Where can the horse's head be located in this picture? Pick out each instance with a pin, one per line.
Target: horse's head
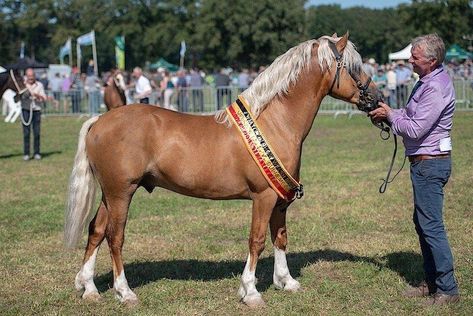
(119, 81)
(15, 83)
(348, 80)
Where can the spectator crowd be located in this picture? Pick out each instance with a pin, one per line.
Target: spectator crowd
(184, 90)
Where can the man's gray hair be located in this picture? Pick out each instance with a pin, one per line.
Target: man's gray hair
(432, 45)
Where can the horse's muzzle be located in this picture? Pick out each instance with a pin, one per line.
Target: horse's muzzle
(369, 100)
(18, 97)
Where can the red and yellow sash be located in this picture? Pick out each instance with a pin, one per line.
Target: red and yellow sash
(269, 164)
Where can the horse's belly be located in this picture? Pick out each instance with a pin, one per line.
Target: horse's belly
(202, 185)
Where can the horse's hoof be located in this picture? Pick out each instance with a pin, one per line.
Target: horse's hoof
(254, 301)
(92, 296)
(292, 286)
(131, 302)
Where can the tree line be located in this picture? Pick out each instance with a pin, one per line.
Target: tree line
(239, 33)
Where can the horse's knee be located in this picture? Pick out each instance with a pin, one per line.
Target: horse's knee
(281, 238)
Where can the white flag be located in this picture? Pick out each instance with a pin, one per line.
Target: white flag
(182, 52)
(65, 50)
(86, 39)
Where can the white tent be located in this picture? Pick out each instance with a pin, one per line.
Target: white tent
(405, 53)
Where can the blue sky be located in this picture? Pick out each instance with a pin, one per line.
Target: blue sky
(373, 4)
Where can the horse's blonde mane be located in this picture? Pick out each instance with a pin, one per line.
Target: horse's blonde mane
(285, 70)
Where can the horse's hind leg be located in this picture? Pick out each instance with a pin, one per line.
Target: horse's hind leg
(115, 234)
(282, 278)
(263, 205)
(85, 278)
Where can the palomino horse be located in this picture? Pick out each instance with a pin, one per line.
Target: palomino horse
(12, 80)
(114, 92)
(205, 157)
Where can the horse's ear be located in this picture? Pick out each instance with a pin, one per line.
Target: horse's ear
(342, 43)
(334, 35)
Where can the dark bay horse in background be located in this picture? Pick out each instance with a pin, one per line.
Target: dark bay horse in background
(205, 157)
(114, 92)
(12, 80)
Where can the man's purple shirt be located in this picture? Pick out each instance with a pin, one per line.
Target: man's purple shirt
(428, 115)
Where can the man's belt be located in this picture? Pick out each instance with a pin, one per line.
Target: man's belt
(269, 164)
(415, 158)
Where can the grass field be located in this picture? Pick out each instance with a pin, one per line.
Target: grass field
(352, 249)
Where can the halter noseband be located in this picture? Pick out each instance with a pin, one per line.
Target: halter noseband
(365, 98)
(19, 91)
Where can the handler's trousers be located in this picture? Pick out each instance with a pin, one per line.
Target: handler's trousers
(428, 179)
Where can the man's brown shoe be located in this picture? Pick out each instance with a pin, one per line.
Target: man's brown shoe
(442, 299)
(420, 291)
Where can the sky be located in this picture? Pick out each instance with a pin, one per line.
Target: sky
(373, 4)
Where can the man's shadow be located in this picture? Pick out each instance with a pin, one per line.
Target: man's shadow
(407, 264)
(19, 154)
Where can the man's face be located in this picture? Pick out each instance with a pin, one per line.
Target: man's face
(421, 64)
(30, 77)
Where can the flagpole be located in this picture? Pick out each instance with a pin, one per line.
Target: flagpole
(70, 52)
(94, 52)
(78, 54)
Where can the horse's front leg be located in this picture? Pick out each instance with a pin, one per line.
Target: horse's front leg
(282, 278)
(263, 204)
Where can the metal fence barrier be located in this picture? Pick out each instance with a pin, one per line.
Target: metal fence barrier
(208, 100)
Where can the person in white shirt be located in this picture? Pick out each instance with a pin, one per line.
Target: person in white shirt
(391, 86)
(31, 114)
(142, 86)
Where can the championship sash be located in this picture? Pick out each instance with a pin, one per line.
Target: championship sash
(269, 164)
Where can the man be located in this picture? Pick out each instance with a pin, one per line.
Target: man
(425, 126)
(403, 76)
(31, 114)
(222, 83)
(142, 86)
(369, 67)
(197, 85)
(55, 86)
(243, 80)
(93, 93)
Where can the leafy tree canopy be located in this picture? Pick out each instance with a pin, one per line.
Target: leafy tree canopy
(240, 33)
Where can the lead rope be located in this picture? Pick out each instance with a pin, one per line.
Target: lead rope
(20, 92)
(386, 181)
(30, 118)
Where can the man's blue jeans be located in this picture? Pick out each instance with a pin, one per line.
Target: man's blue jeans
(428, 179)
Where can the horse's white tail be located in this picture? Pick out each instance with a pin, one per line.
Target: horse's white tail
(82, 188)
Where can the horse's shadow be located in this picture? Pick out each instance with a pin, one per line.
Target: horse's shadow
(18, 154)
(407, 264)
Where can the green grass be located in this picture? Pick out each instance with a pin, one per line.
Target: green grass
(352, 249)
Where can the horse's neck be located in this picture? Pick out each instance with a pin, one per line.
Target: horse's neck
(3, 84)
(291, 116)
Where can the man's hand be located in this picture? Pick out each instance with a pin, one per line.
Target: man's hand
(381, 113)
(38, 97)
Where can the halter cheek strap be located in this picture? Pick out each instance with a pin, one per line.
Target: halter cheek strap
(364, 96)
(19, 91)
(338, 59)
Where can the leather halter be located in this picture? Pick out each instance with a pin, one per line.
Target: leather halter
(19, 91)
(365, 98)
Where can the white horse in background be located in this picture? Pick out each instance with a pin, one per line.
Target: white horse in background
(13, 108)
